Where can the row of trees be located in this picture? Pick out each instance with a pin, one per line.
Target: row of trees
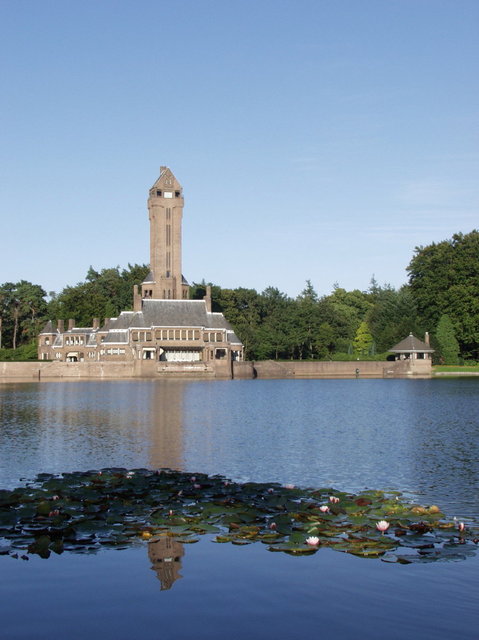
(442, 297)
(342, 324)
(24, 308)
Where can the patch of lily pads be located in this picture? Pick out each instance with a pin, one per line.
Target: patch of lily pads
(83, 512)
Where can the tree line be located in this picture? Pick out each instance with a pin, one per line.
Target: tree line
(441, 296)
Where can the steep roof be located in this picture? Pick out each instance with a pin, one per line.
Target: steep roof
(167, 180)
(116, 337)
(170, 313)
(411, 344)
(232, 338)
(50, 327)
(174, 313)
(149, 278)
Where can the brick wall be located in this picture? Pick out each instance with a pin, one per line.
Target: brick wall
(11, 371)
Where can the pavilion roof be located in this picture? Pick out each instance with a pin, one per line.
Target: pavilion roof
(411, 344)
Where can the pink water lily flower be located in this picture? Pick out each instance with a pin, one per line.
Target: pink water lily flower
(461, 526)
(324, 508)
(382, 526)
(313, 541)
(333, 499)
(289, 486)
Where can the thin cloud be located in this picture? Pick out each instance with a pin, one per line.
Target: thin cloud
(436, 193)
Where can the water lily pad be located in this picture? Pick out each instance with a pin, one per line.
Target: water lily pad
(83, 511)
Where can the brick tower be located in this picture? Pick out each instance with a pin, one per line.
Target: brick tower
(165, 209)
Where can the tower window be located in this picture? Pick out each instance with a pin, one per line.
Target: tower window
(177, 194)
(158, 193)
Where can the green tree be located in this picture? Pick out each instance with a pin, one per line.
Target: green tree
(308, 320)
(103, 294)
(22, 311)
(363, 340)
(325, 340)
(274, 334)
(393, 316)
(343, 311)
(444, 280)
(242, 309)
(446, 341)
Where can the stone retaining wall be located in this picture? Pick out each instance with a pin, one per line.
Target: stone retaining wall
(11, 371)
(295, 369)
(355, 369)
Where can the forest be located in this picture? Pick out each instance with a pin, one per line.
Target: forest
(441, 297)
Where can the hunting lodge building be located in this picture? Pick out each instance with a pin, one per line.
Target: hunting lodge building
(165, 325)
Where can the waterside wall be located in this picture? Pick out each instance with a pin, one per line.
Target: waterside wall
(10, 371)
(295, 369)
(354, 369)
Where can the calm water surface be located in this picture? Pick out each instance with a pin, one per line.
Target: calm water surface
(420, 437)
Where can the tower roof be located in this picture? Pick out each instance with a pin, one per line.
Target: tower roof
(167, 180)
(50, 327)
(149, 278)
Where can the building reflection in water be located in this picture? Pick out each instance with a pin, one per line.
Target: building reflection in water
(92, 425)
(165, 555)
(166, 443)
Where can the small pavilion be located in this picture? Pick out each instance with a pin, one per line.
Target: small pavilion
(411, 348)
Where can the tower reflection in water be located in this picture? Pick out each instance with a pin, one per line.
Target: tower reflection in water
(166, 419)
(165, 556)
(166, 451)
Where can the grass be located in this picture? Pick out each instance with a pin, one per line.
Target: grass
(449, 368)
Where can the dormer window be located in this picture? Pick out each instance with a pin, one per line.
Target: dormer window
(177, 194)
(158, 193)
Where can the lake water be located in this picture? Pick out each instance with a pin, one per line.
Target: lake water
(417, 436)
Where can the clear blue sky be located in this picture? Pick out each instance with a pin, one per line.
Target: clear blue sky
(314, 139)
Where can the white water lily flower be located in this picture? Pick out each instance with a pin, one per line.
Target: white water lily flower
(313, 541)
(382, 526)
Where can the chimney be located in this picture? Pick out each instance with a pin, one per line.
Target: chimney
(136, 298)
(60, 326)
(426, 338)
(71, 324)
(207, 298)
(96, 323)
